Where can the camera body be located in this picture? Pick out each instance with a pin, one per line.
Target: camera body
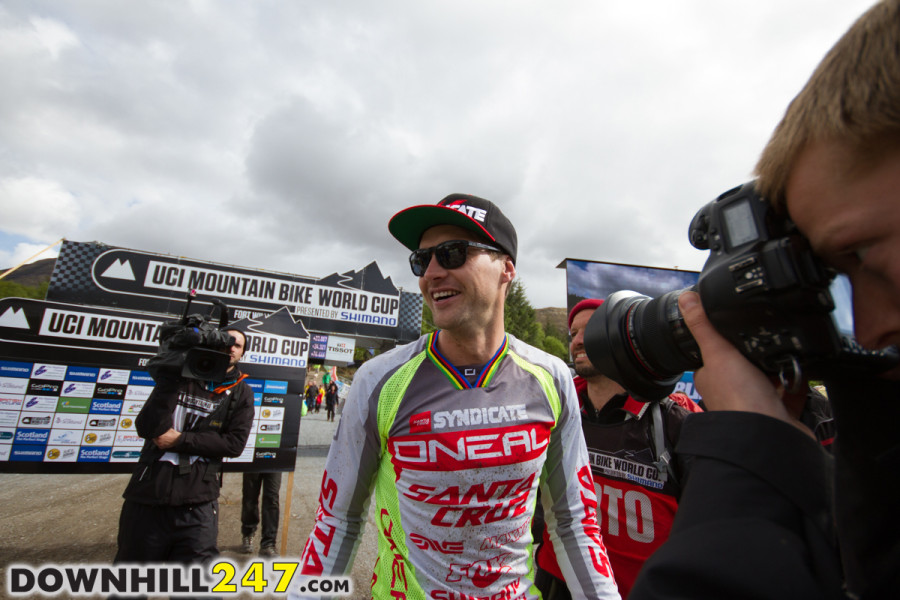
(193, 347)
(762, 288)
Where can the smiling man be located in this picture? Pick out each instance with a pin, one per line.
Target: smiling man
(456, 433)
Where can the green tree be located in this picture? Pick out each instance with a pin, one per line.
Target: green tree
(519, 317)
(555, 346)
(427, 319)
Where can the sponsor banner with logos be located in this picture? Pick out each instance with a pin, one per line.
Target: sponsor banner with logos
(67, 417)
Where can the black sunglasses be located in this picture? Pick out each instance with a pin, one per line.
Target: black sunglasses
(450, 255)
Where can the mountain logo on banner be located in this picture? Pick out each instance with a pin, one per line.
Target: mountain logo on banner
(119, 269)
(14, 317)
(279, 322)
(369, 279)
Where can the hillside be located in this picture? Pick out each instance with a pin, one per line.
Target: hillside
(33, 274)
(553, 320)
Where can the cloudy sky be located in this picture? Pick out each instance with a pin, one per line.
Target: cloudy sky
(282, 135)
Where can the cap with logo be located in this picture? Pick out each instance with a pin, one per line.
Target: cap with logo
(475, 214)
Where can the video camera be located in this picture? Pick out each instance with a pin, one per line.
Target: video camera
(763, 289)
(193, 346)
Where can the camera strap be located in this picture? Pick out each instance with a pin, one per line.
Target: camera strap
(663, 462)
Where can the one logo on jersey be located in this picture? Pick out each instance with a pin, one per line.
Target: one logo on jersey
(420, 423)
(473, 449)
(489, 415)
(482, 573)
(424, 543)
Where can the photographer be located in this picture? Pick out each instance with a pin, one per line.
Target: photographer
(170, 511)
(755, 518)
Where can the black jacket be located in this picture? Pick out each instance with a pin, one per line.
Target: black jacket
(222, 433)
(756, 518)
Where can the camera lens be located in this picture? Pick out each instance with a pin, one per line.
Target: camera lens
(641, 343)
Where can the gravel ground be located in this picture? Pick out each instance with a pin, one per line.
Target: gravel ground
(73, 519)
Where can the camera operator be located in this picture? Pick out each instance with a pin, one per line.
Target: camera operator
(755, 517)
(635, 513)
(170, 511)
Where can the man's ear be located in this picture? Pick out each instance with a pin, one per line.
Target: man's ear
(509, 271)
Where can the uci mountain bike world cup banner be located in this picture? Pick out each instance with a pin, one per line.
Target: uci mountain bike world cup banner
(356, 302)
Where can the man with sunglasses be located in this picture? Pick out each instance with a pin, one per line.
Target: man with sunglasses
(456, 433)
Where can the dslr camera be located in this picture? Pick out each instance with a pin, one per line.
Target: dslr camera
(193, 346)
(763, 290)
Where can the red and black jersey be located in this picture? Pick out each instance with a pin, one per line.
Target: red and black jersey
(636, 503)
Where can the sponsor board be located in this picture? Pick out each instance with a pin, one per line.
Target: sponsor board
(121, 454)
(45, 371)
(13, 385)
(126, 438)
(31, 436)
(98, 438)
(274, 413)
(106, 407)
(77, 389)
(275, 387)
(62, 420)
(94, 454)
(40, 403)
(44, 388)
(110, 390)
(9, 418)
(74, 405)
(61, 454)
(65, 437)
(11, 402)
(132, 407)
(87, 374)
(35, 420)
(268, 440)
(10, 368)
(113, 376)
(98, 421)
(138, 392)
(26, 454)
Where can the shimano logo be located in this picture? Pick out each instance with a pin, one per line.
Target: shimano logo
(467, 417)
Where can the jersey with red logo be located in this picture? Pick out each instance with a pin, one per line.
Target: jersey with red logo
(636, 502)
(455, 461)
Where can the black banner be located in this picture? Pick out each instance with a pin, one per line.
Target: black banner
(361, 303)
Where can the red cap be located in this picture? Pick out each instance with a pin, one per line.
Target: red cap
(588, 304)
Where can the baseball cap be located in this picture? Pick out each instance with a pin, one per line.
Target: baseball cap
(588, 304)
(475, 214)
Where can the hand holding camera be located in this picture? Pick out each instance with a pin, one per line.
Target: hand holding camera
(762, 289)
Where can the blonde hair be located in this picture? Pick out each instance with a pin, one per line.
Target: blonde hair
(853, 96)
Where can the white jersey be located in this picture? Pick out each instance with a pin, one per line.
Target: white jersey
(456, 464)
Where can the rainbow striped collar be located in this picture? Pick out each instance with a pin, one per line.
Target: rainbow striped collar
(453, 374)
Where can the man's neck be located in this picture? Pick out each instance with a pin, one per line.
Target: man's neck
(601, 389)
(475, 349)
